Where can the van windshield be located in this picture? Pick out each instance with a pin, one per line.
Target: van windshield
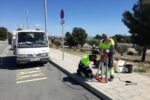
(32, 39)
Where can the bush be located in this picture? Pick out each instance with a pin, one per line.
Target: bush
(130, 53)
(57, 43)
(92, 42)
(121, 49)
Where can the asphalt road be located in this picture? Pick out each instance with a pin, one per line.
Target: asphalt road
(38, 82)
(3, 45)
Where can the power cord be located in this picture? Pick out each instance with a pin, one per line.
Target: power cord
(127, 81)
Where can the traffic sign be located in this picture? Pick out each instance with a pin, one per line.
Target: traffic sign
(62, 14)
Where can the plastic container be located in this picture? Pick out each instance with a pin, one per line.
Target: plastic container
(119, 66)
(128, 68)
(120, 69)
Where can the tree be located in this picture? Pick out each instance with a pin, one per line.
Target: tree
(79, 35)
(37, 29)
(98, 37)
(9, 34)
(3, 33)
(92, 42)
(18, 29)
(121, 38)
(57, 42)
(138, 23)
(70, 41)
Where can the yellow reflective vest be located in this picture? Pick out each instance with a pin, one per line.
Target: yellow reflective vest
(106, 45)
(85, 60)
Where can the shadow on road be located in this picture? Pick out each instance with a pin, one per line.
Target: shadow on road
(10, 64)
(70, 80)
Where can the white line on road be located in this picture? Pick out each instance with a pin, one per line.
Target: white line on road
(37, 79)
(29, 75)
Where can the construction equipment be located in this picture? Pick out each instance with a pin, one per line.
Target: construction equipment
(103, 67)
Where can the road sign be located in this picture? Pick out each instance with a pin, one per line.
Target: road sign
(62, 14)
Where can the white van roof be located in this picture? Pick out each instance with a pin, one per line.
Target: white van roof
(27, 30)
(30, 30)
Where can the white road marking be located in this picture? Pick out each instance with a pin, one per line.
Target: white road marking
(31, 69)
(27, 72)
(29, 75)
(37, 79)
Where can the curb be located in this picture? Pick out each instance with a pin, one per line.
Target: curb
(82, 83)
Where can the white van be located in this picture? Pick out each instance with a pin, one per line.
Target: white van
(30, 46)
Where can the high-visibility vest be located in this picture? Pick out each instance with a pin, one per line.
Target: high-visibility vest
(85, 60)
(106, 45)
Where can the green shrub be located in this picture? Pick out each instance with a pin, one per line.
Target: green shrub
(121, 49)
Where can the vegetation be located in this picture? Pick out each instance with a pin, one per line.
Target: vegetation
(121, 49)
(138, 23)
(77, 37)
(118, 38)
(57, 43)
(70, 41)
(4, 34)
(18, 29)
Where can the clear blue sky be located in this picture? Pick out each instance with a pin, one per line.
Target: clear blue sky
(95, 16)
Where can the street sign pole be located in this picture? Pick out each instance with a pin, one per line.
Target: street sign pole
(62, 23)
(62, 40)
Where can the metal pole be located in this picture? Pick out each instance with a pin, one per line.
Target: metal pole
(45, 11)
(27, 20)
(62, 40)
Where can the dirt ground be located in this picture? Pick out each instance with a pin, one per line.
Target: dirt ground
(139, 67)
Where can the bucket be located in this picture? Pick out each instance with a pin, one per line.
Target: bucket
(128, 68)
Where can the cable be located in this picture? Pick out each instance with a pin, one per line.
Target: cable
(127, 82)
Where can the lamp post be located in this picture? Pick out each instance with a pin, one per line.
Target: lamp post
(45, 13)
(27, 20)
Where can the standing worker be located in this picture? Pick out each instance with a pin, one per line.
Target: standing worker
(107, 44)
(83, 67)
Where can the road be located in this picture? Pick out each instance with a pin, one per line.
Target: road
(3, 45)
(37, 82)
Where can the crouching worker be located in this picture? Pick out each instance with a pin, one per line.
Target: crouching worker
(83, 67)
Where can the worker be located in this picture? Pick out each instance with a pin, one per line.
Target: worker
(83, 67)
(107, 44)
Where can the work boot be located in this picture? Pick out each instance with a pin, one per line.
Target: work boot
(111, 78)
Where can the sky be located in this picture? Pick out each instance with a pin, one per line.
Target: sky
(94, 16)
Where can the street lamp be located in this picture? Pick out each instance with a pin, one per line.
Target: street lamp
(27, 20)
(45, 13)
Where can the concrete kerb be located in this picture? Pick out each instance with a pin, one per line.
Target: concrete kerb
(81, 82)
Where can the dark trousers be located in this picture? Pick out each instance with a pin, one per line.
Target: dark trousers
(85, 70)
(110, 61)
